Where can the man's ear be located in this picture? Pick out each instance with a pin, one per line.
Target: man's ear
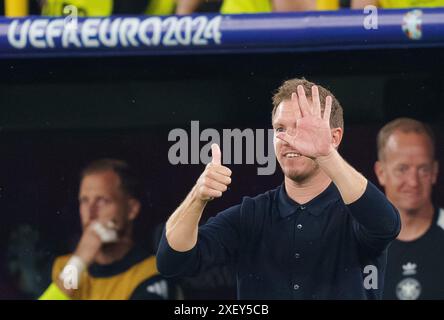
(380, 173)
(134, 208)
(336, 135)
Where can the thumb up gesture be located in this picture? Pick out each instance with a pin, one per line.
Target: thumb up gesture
(215, 178)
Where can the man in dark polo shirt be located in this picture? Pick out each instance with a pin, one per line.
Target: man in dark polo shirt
(322, 234)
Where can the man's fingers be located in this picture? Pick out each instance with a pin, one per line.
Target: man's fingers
(316, 101)
(327, 110)
(213, 184)
(285, 137)
(220, 169)
(223, 170)
(295, 103)
(219, 177)
(303, 102)
(210, 188)
(210, 194)
(215, 179)
(105, 234)
(216, 154)
(288, 139)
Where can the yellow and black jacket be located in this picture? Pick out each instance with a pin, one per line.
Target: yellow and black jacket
(135, 277)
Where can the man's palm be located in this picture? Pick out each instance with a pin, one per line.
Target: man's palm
(312, 138)
(313, 134)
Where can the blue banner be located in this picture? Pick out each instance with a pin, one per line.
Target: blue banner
(200, 34)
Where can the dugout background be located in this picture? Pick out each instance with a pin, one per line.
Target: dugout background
(56, 115)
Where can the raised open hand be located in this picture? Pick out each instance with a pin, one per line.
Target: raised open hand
(313, 137)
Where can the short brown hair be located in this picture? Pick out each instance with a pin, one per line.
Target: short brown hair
(288, 87)
(405, 125)
(129, 183)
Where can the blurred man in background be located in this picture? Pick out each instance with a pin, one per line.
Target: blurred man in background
(106, 263)
(407, 169)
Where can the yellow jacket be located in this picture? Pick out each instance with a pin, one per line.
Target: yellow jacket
(97, 8)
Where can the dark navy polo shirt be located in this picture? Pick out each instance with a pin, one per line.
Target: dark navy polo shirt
(323, 249)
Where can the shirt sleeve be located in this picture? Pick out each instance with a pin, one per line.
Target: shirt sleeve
(217, 244)
(376, 221)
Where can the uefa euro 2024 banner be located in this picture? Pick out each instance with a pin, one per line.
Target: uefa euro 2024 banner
(44, 33)
(145, 35)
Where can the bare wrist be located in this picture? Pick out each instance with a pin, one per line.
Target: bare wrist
(87, 260)
(196, 199)
(85, 257)
(328, 157)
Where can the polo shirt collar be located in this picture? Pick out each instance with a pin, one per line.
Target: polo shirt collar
(315, 206)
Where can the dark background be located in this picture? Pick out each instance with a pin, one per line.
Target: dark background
(56, 115)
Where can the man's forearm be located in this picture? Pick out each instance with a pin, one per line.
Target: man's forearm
(182, 226)
(350, 183)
